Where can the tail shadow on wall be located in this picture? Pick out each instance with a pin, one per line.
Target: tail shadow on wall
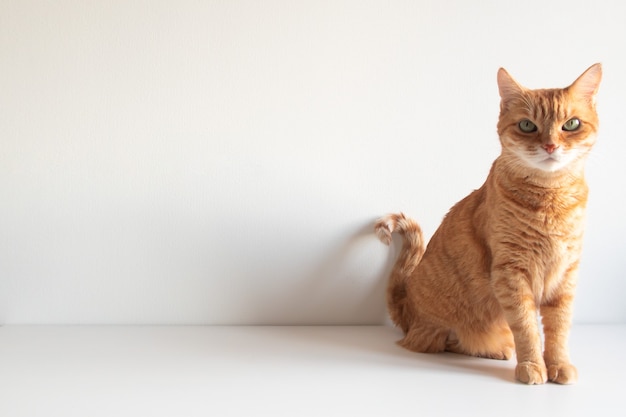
(345, 285)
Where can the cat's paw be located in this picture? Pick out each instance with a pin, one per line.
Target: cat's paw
(505, 354)
(562, 373)
(531, 373)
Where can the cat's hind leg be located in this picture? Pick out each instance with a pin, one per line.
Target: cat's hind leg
(424, 337)
(495, 342)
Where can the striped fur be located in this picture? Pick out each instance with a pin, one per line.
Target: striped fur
(510, 250)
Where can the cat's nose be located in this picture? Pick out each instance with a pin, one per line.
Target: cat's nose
(550, 147)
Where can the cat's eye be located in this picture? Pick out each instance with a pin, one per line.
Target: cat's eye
(571, 124)
(527, 126)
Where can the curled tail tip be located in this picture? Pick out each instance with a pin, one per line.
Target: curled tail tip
(386, 225)
(383, 231)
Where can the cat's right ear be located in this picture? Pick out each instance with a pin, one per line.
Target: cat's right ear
(508, 87)
(586, 86)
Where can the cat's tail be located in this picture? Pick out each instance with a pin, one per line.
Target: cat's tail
(411, 254)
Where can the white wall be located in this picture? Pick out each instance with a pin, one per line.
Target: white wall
(223, 161)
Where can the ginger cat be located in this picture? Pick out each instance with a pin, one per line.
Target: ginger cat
(510, 250)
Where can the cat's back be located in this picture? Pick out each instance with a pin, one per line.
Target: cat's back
(459, 243)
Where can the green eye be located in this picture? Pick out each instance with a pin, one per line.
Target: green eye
(571, 124)
(527, 126)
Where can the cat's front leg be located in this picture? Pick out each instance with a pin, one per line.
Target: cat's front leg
(556, 318)
(518, 304)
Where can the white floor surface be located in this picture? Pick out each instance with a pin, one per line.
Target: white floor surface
(285, 371)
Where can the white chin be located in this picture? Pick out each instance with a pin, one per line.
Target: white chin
(549, 165)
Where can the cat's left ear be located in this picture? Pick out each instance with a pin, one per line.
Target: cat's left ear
(586, 86)
(508, 87)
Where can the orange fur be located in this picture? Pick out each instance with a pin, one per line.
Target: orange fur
(510, 250)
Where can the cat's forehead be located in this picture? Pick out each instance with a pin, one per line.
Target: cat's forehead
(546, 104)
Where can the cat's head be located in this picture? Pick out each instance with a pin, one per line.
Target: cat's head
(548, 130)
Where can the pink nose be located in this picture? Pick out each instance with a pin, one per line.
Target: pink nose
(550, 147)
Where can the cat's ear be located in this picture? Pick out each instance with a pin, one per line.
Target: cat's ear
(508, 87)
(586, 86)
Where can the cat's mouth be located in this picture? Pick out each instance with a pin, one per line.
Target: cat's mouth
(551, 158)
(551, 163)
